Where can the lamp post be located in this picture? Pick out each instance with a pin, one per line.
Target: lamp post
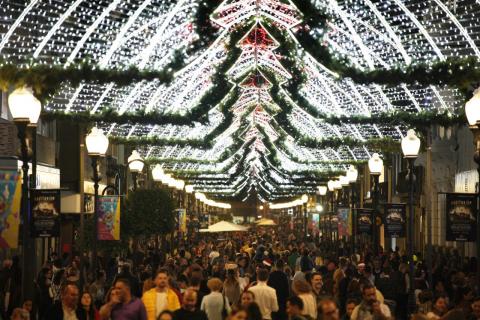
(352, 175)
(305, 218)
(322, 191)
(25, 109)
(97, 145)
(472, 111)
(331, 189)
(410, 148)
(135, 164)
(375, 164)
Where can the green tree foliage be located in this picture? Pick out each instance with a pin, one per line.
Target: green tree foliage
(147, 213)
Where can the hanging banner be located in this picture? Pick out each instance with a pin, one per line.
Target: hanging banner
(108, 218)
(364, 220)
(461, 216)
(10, 199)
(342, 221)
(395, 220)
(182, 220)
(45, 206)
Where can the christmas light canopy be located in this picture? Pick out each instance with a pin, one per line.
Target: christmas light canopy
(243, 102)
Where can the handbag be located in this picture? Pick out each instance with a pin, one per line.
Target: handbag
(224, 309)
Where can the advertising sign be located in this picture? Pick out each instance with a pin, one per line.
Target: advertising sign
(395, 220)
(461, 213)
(45, 213)
(108, 218)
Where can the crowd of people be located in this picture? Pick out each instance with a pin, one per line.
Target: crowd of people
(254, 276)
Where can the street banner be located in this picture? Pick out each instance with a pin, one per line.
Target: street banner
(395, 220)
(10, 199)
(461, 211)
(364, 220)
(182, 220)
(108, 218)
(342, 221)
(45, 206)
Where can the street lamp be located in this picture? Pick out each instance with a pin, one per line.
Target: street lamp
(375, 165)
(410, 148)
(472, 111)
(25, 109)
(135, 164)
(97, 145)
(352, 175)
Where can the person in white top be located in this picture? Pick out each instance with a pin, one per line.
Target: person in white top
(304, 291)
(215, 304)
(265, 296)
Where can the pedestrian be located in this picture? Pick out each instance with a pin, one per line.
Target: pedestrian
(279, 281)
(304, 291)
(370, 306)
(215, 304)
(188, 311)
(66, 308)
(231, 286)
(265, 296)
(294, 309)
(246, 298)
(161, 297)
(328, 310)
(87, 309)
(165, 315)
(123, 305)
(350, 306)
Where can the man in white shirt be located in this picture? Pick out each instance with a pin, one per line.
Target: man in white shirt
(265, 296)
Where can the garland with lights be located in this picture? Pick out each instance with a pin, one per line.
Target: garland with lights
(45, 79)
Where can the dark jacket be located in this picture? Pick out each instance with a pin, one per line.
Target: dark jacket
(55, 312)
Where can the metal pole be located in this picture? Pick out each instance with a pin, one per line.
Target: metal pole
(476, 158)
(305, 221)
(375, 233)
(134, 180)
(352, 200)
(411, 237)
(96, 180)
(27, 252)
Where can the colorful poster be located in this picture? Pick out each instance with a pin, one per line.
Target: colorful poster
(342, 216)
(461, 211)
(364, 220)
(10, 200)
(108, 218)
(182, 220)
(395, 220)
(45, 206)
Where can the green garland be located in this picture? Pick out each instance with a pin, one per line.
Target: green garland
(45, 79)
(158, 141)
(110, 115)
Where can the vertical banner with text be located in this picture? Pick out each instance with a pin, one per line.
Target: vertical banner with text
(342, 216)
(45, 206)
(395, 219)
(108, 218)
(364, 220)
(461, 220)
(182, 220)
(10, 196)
